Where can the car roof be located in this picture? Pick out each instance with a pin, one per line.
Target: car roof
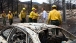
(36, 27)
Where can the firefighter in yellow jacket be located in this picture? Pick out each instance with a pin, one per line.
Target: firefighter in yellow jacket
(55, 17)
(4, 17)
(33, 16)
(22, 15)
(10, 17)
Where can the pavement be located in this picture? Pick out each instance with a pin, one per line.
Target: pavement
(15, 20)
(70, 25)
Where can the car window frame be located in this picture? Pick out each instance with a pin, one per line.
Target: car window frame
(9, 27)
(15, 29)
(27, 36)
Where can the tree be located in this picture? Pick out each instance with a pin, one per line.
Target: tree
(73, 6)
(36, 6)
(1, 1)
(8, 5)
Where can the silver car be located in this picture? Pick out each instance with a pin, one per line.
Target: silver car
(35, 33)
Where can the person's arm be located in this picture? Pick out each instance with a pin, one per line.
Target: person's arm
(31, 15)
(60, 18)
(20, 16)
(12, 15)
(44, 14)
(1, 15)
(49, 16)
(8, 16)
(5, 15)
(37, 15)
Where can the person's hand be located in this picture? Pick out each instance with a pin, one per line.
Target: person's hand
(38, 15)
(48, 21)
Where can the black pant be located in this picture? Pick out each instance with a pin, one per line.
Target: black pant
(10, 21)
(30, 20)
(4, 21)
(23, 20)
(35, 20)
(57, 23)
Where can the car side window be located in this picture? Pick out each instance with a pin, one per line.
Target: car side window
(25, 37)
(5, 33)
(17, 36)
(20, 36)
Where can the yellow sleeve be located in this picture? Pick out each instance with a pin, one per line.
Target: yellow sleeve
(60, 17)
(12, 15)
(8, 16)
(5, 15)
(49, 16)
(31, 15)
(20, 16)
(36, 15)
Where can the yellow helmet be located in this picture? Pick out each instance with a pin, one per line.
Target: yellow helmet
(33, 8)
(53, 5)
(24, 9)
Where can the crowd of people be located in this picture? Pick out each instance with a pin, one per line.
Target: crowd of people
(53, 17)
